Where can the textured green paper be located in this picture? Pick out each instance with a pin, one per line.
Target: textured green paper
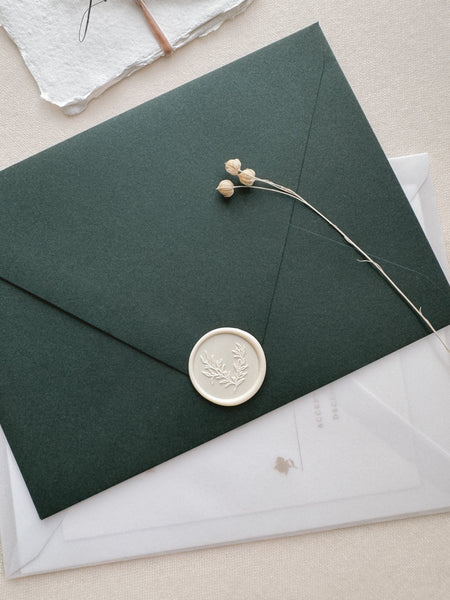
(117, 255)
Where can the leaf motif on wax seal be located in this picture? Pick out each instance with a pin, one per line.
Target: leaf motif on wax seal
(216, 369)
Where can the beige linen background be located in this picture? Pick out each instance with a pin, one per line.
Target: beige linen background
(396, 55)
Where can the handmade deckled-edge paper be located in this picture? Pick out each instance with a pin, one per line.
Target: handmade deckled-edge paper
(118, 42)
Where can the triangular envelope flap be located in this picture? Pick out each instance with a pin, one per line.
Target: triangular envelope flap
(121, 226)
(345, 313)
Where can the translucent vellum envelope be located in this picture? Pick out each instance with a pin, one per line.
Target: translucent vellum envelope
(374, 445)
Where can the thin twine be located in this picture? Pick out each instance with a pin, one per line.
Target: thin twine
(288, 192)
(166, 46)
(162, 40)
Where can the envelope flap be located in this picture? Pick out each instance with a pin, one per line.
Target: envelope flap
(350, 316)
(362, 196)
(121, 226)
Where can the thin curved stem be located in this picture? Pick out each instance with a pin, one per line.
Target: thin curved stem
(288, 192)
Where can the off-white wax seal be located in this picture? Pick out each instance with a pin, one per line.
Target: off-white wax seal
(227, 366)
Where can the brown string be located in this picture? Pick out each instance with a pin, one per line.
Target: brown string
(166, 46)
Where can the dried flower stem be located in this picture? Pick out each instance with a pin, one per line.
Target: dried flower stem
(275, 187)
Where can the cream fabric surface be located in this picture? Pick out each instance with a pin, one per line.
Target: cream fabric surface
(395, 54)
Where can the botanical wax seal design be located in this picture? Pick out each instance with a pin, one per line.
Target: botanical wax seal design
(216, 370)
(227, 366)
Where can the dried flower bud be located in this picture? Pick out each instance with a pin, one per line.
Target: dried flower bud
(247, 177)
(226, 188)
(233, 166)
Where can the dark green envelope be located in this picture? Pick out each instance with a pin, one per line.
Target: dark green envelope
(117, 255)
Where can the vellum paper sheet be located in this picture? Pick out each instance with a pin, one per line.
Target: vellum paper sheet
(118, 42)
